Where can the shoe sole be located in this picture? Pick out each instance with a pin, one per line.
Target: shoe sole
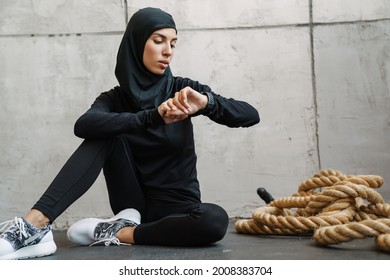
(33, 251)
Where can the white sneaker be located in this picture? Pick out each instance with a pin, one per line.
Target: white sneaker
(91, 231)
(21, 240)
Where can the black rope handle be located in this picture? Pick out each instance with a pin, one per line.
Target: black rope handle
(264, 195)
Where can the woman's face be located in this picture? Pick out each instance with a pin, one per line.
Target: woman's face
(159, 50)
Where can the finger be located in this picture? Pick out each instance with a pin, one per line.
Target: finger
(175, 113)
(177, 100)
(163, 108)
(171, 105)
(184, 97)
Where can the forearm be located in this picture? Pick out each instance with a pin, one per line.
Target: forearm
(230, 112)
(95, 124)
(224, 111)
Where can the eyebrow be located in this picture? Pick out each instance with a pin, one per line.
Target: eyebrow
(163, 36)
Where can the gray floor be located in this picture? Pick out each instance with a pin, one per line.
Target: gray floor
(233, 247)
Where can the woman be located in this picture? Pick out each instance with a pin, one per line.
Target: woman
(140, 133)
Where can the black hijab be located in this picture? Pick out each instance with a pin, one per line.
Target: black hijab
(144, 89)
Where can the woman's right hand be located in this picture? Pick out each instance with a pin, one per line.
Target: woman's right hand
(170, 115)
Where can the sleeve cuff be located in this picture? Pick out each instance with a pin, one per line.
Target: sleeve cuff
(156, 119)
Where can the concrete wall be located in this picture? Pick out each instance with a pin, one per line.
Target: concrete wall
(318, 72)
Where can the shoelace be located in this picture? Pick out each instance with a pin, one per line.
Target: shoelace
(107, 235)
(17, 223)
(108, 241)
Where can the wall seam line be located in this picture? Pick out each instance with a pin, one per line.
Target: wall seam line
(314, 83)
(126, 12)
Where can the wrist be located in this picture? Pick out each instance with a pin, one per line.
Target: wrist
(204, 102)
(209, 101)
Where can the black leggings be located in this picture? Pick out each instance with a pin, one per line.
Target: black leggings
(180, 224)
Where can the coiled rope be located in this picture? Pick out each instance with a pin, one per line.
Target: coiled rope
(331, 206)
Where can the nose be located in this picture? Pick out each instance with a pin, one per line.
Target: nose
(168, 50)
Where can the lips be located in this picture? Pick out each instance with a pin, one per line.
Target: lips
(163, 63)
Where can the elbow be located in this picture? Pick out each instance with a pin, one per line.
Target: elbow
(253, 119)
(78, 128)
(256, 117)
(77, 131)
(252, 116)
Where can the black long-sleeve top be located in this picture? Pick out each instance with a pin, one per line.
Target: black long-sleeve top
(164, 154)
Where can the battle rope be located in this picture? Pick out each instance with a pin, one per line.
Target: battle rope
(331, 206)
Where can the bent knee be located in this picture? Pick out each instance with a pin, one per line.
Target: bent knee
(215, 222)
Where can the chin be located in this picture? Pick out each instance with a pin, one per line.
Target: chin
(159, 72)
